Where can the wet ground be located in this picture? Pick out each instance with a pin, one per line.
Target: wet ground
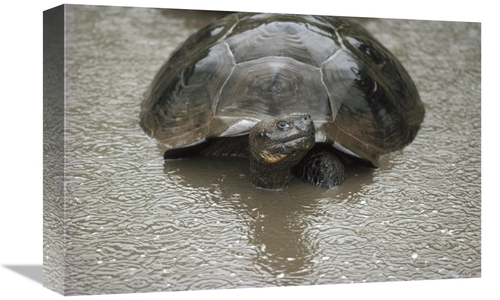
(137, 224)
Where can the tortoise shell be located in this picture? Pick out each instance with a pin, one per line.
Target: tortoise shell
(247, 67)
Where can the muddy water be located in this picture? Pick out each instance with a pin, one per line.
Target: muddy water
(134, 223)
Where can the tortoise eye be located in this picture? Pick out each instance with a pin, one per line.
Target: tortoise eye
(283, 125)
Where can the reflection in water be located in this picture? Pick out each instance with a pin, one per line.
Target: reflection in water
(279, 233)
(281, 230)
(275, 227)
(136, 223)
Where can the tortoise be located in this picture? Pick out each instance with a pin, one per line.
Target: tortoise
(298, 95)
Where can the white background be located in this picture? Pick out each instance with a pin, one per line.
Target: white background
(21, 147)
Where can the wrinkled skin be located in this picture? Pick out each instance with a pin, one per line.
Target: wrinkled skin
(321, 167)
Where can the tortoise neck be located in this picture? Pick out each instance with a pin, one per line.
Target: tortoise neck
(270, 176)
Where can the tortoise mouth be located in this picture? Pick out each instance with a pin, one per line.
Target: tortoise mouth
(293, 146)
(299, 141)
(289, 151)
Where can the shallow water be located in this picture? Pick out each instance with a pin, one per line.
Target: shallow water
(135, 223)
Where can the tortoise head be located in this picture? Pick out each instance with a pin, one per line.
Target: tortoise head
(278, 144)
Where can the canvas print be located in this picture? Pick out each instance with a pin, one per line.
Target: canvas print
(196, 150)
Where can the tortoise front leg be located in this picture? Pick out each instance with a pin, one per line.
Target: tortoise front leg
(321, 167)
